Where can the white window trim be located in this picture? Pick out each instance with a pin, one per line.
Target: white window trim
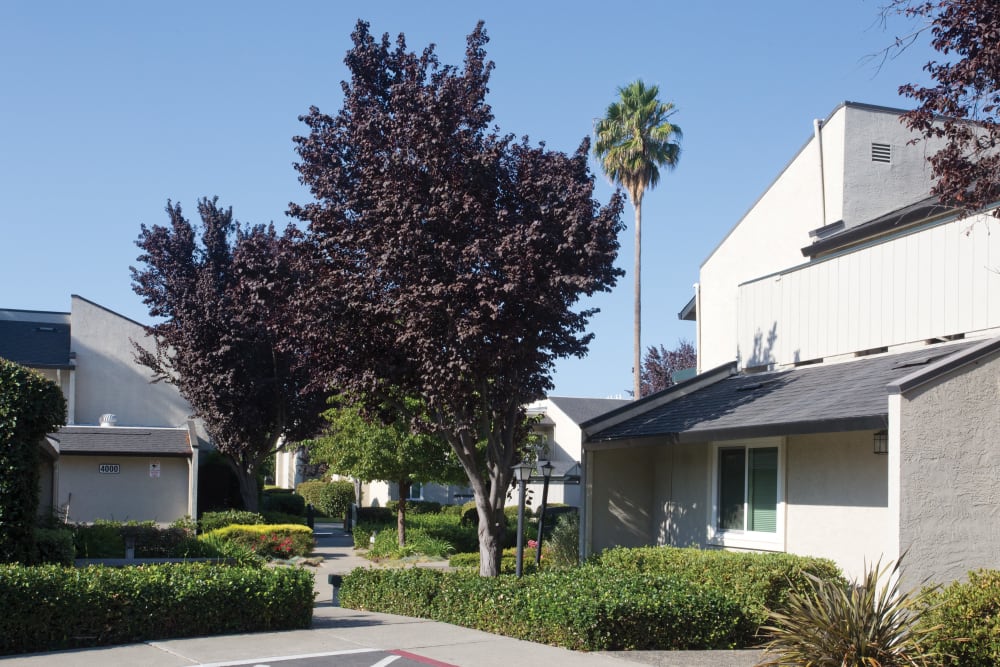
(747, 539)
(421, 496)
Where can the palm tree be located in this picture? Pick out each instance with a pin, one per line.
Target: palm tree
(633, 140)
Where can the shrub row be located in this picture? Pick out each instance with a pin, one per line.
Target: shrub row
(590, 608)
(106, 539)
(270, 541)
(50, 607)
(283, 501)
(758, 581)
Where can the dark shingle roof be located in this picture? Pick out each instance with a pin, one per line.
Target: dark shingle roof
(123, 441)
(584, 409)
(829, 398)
(35, 344)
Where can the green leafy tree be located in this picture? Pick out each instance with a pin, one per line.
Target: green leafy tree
(225, 338)
(364, 447)
(456, 257)
(30, 407)
(633, 140)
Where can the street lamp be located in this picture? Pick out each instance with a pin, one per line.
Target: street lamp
(547, 474)
(522, 471)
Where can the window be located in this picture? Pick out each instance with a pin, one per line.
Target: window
(747, 494)
(416, 491)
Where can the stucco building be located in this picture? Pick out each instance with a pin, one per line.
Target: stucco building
(847, 402)
(130, 449)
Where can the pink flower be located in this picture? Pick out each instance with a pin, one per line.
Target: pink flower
(532, 543)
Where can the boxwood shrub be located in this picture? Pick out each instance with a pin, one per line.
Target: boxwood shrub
(272, 541)
(759, 581)
(964, 621)
(51, 607)
(210, 521)
(590, 608)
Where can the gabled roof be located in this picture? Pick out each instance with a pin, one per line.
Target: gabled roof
(36, 344)
(122, 441)
(585, 409)
(846, 396)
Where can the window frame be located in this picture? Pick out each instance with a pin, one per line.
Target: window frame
(747, 539)
(420, 488)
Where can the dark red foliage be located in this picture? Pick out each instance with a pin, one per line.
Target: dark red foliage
(963, 106)
(459, 254)
(659, 365)
(227, 339)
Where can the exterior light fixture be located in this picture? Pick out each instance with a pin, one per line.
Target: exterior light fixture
(522, 471)
(546, 468)
(881, 442)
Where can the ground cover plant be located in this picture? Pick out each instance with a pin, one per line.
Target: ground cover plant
(267, 540)
(51, 607)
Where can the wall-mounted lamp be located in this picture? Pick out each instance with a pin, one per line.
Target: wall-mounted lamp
(880, 442)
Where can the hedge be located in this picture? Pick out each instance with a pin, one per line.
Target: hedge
(30, 407)
(283, 501)
(273, 541)
(49, 607)
(590, 608)
(210, 521)
(963, 620)
(331, 498)
(758, 581)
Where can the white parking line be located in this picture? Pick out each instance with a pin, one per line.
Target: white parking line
(279, 658)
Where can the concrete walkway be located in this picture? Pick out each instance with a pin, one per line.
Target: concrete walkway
(346, 633)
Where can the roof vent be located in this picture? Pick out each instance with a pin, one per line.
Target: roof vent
(881, 152)
(108, 420)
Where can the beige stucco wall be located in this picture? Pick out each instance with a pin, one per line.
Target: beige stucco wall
(680, 512)
(107, 378)
(836, 499)
(620, 510)
(950, 474)
(129, 495)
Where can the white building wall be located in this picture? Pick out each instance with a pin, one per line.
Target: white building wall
(836, 499)
(938, 281)
(108, 380)
(949, 511)
(872, 188)
(769, 238)
(131, 495)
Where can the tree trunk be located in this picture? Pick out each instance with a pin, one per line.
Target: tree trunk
(249, 492)
(637, 329)
(491, 532)
(404, 493)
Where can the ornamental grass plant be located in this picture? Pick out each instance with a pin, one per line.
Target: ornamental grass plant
(871, 623)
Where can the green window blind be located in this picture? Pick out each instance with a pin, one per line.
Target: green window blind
(732, 496)
(762, 474)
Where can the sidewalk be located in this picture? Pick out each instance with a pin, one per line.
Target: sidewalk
(337, 630)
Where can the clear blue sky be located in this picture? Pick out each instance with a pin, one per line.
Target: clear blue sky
(107, 109)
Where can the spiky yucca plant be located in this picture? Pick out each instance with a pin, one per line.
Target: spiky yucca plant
(866, 624)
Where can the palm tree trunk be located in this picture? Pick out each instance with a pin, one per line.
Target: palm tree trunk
(637, 328)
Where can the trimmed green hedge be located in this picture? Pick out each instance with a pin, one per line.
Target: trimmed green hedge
(759, 581)
(49, 607)
(330, 498)
(966, 621)
(590, 608)
(210, 521)
(283, 501)
(272, 541)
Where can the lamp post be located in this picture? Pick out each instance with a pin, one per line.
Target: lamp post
(547, 474)
(522, 471)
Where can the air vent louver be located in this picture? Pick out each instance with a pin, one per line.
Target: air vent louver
(881, 153)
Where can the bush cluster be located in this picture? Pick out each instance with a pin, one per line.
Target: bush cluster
(590, 608)
(51, 607)
(214, 520)
(55, 545)
(267, 540)
(758, 581)
(329, 498)
(107, 539)
(416, 506)
(963, 620)
(284, 501)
